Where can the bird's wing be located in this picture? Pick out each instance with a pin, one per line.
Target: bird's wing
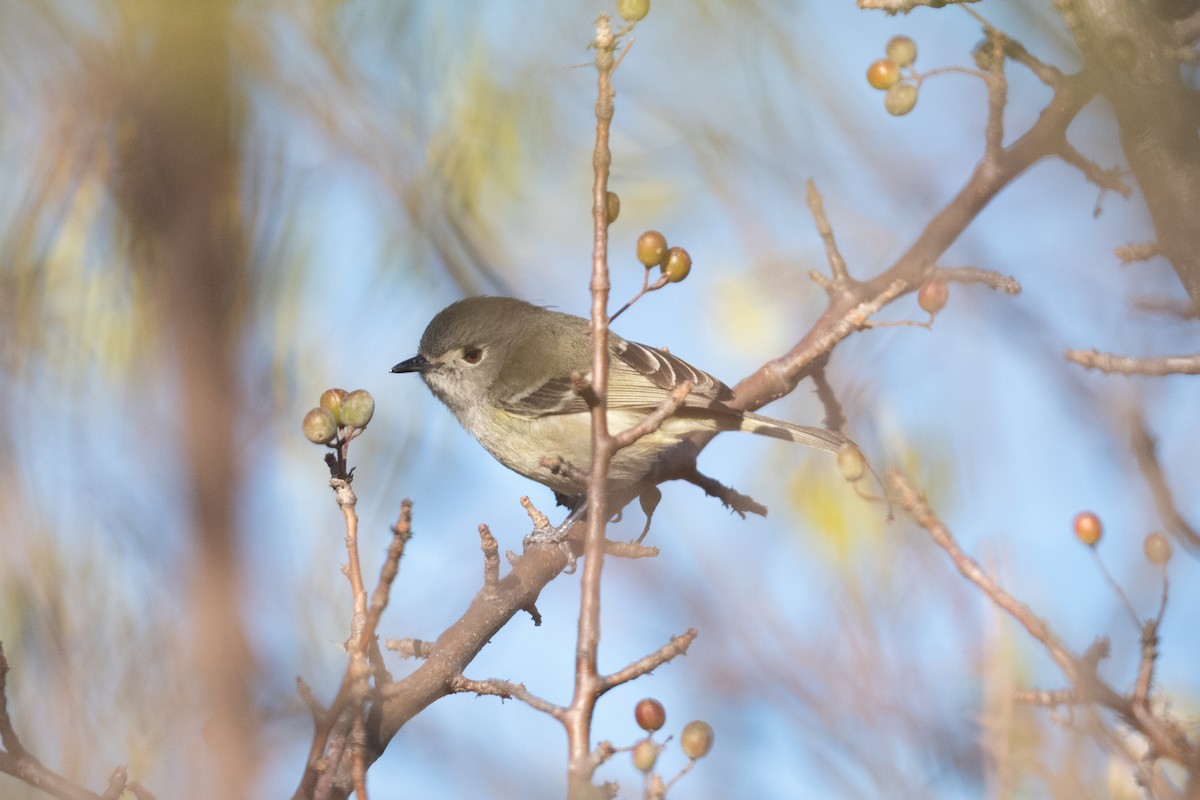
(639, 378)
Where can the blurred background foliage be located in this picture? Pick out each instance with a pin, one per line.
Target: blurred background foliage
(210, 212)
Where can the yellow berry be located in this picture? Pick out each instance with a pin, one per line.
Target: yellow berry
(696, 739)
(1157, 548)
(902, 50)
(900, 99)
(645, 753)
(850, 462)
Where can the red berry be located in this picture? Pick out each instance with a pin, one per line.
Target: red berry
(650, 714)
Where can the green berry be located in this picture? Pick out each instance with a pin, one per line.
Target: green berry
(678, 264)
(319, 426)
(900, 99)
(902, 50)
(652, 248)
(331, 401)
(696, 739)
(612, 206)
(358, 408)
(1157, 549)
(645, 753)
(850, 462)
(633, 10)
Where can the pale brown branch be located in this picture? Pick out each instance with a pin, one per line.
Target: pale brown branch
(1140, 251)
(1145, 451)
(730, 498)
(837, 264)
(1107, 179)
(491, 557)
(654, 420)
(1149, 650)
(1163, 733)
(408, 647)
(835, 419)
(347, 501)
(15, 760)
(505, 690)
(970, 569)
(905, 6)
(1184, 309)
(989, 278)
(1049, 698)
(539, 520)
(678, 646)
(1128, 365)
(577, 718)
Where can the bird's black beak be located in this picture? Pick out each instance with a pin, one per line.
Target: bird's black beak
(414, 364)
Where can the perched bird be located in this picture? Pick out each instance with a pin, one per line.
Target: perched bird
(504, 367)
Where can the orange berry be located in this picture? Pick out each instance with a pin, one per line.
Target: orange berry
(1088, 528)
(882, 74)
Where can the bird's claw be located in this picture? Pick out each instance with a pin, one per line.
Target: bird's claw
(554, 536)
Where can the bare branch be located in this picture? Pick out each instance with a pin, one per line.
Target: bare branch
(1143, 251)
(989, 278)
(1127, 365)
(1144, 450)
(730, 498)
(491, 557)
(678, 646)
(654, 420)
(505, 690)
(837, 264)
(905, 6)
(1184, 309)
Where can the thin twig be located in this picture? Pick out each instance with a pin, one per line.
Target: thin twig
(730, 498)
(990, 278)
(837, 264)
(504, 690)
(678, 646)
(491, 557)
(1142, 251)
(654, 420)
(577, 719)
(1145, 451)
(1128, 365)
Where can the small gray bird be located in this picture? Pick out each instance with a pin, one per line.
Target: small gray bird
(504, 366)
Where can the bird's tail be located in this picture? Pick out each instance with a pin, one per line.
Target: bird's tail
(819, 438)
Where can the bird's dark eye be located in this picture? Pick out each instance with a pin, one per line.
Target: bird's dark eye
(473, 355)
